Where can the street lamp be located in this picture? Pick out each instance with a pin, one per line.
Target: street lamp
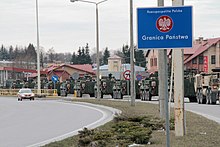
(38, 53)
(132, 55)
(97, 41)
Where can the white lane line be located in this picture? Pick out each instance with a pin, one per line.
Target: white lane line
(75, 132)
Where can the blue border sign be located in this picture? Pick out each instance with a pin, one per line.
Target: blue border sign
(54, 78)
(164, 27)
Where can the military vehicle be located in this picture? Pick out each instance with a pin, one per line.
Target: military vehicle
(117, 94)
(124, 88)
(145, 93)
(85, 85)
(106, 87)
(207, 87)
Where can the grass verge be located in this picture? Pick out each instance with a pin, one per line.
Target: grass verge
(199, 130)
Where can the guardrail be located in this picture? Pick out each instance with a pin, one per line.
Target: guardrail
(14, 92)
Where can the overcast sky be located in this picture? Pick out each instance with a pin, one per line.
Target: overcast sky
(66, 26)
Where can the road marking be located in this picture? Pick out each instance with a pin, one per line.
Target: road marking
(90, 126)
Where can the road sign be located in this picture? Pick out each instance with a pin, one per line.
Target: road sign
(75, 76)
(127, 74)
(54, 78)
(164, 27)
(139, 77)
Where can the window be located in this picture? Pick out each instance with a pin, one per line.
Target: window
(194, 61)
(151, 62)
(200, 59)
(212, 59)
(155, 61)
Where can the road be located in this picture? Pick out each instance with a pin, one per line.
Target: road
(35, 123)
(209, 111)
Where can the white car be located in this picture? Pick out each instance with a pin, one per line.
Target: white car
(25, 93)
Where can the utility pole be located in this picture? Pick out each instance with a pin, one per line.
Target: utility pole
(162, 63)
(132, 55)
(178, 88)
(163, 87)
(38, 54)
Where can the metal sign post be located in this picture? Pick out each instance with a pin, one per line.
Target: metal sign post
(54, 78)
(127, 75)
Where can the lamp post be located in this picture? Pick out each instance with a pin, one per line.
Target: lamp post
(38, 53)
(132, 55)
(97, 41)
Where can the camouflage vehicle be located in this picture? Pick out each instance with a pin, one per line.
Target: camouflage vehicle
(117, 94)
(106, 87)
(63, 89)
(154, 84)
(124, 89)
(145, 93)
(207, 87)
(77, 87)
(87, 87)
(189, 90)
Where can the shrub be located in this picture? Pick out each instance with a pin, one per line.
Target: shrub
(85, 132)
(84, 141)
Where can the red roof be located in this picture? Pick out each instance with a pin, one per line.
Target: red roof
(82, 67)
(21, 70)
(200, 48)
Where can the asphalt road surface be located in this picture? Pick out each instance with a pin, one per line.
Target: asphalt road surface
(35, 123)
(211, 112)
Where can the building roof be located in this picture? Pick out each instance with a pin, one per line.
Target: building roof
(21, 70)
(81, 67)
(114, 57)
(124, 67)
(200, 47)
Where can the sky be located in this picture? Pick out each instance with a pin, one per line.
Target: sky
(66, 26)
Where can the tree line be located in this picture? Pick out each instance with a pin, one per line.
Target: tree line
(26, 57)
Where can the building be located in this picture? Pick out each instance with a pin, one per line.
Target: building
(203, 56)
(206, 55)
(65, 71)
(116, 68)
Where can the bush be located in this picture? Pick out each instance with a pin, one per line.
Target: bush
(103, 135)
(85, 132)
(124, 131)
(84, 141)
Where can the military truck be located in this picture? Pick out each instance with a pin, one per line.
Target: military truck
(207, 88)
(106, 87)
(117, 94)
(145, 93)
(87, 87)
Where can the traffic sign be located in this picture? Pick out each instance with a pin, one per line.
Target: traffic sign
(54, 78)
(127, 74)
(164, 27)
(75, 76)
(139, 77)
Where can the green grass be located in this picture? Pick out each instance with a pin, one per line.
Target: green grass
(200, 132)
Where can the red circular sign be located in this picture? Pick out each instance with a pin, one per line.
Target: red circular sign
(164, 23)
(127, 74)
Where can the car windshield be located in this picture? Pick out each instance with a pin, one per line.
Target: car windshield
(25, 91)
